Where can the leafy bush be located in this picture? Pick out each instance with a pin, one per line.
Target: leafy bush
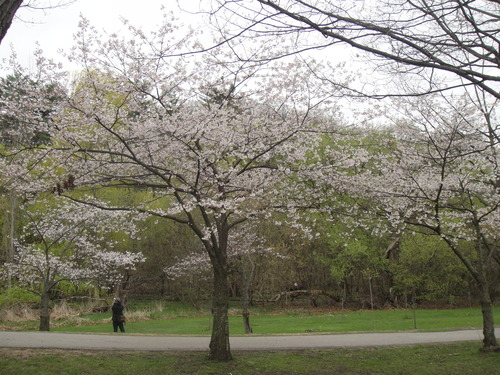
(15, 296)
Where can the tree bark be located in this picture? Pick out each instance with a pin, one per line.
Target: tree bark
(246, 320)
(45, 313)
(480, 274)
(247, 268)
(219, 342)
(489, 339)
(8, 9)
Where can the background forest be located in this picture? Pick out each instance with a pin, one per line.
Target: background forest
(359, 271)
(166, 164)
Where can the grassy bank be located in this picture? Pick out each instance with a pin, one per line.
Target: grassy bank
(173, 320)
(448, 359)
(160, 317)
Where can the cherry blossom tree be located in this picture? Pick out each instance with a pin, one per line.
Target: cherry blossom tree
(211, 144)
(441, 178)
(63, 243)
(21, 89)
(443, 173)
(434, 45)
(244, 245)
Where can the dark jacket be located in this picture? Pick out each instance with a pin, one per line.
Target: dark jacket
(117, 309)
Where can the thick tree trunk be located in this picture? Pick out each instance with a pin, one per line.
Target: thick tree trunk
(219, 343)
(45, 313)
(481, 276)
(8, 9)
(489, 339)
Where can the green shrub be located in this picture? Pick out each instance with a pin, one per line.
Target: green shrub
(14, 296)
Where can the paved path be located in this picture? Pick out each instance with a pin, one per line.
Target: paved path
(54, 340)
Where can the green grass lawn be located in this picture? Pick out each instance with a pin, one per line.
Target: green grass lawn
(175, 319)
(286, 321)
(442, 359)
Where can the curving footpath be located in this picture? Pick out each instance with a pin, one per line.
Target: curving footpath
(127, 342)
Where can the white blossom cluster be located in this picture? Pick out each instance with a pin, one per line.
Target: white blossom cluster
(243, 242)
(70, 241)
(214, 143)
(442, 174)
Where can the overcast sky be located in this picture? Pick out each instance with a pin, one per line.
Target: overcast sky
(54, 29)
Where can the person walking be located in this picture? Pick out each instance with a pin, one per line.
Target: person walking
(118, 317)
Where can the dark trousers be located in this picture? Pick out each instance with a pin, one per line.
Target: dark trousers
(117, 324)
